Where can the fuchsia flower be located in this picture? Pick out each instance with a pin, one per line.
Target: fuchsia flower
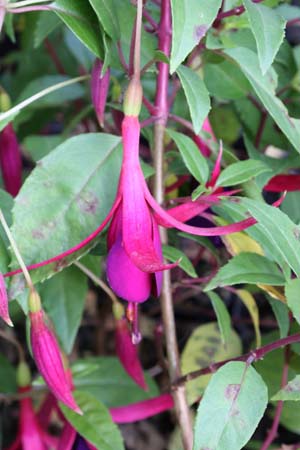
(128, 354)
(99, 89)
(31, 435)
(47, 355)
(4, 314)
(280, 183)
(203, 147)
(10, 160)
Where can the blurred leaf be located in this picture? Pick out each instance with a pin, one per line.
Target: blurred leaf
(247, 268)
(173, 254)
(281, 313)
(289, 392)
(223, 317)
(81, 19)
(264, 88)
(8, 383)
(250, 303)
(191, 155)
(63, 297)
(231, 408)
(203, 348)
(68, 194)
(106, 380)
(196, 95)
(47, 22)
(191, 19)
(240, 172)
(39, 146)
(96, 424)
(292, 292)
(268, 29)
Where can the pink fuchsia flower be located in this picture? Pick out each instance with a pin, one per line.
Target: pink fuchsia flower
(99, 89)
(30, 435)
(47, 354)
(128, 353)
(4, 314)
(10, 160)
(202, 145)
(281, 183)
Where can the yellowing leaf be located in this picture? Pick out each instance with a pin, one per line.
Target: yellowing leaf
(250, 303)
(203, 348)
(276, 292)
(169, 181)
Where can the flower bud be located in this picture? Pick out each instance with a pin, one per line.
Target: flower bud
(48, 359)
(99, 89)
(4, 314)
(10, 160)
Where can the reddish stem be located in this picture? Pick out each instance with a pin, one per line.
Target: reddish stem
(237, 11)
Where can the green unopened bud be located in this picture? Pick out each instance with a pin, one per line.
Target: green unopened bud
(5, 103)
(34, 302)
(133, 98)
(23, 375)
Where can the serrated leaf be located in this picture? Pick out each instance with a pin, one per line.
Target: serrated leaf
(278, 228)
(223, 316)
(106, 380)
(268, 29)
(196, 95)
(290, 392)
(190, 21)
(292, 292)
(174, 254)
(231, 408)
(250, 303)
(80, 17)
(247, 268)
(63, 298)
(240, 172)
(106, 13)
(68, 195)
(191, 155)
(203, 348)
(264, 88)
(96, 424)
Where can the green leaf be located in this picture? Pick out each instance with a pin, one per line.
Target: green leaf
(289, 392)
(39, 146)
(63, 297)
(96, 424)
(81, 19)
(203, 348)
(292, 292)
(106, 13)
(68, 195)
(281, 314)
(278, 228)
(231, 408)
(191, 19)
(264, 89)
(106, 380)
(173, 255)
(8, 383)
(223, 316)
(247, 268)
(240, 172)
(268, 29)
(191, 155)
(47, 22)
(196, 95)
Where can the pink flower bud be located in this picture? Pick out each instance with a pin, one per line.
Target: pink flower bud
(4, 314)
(99, 89)
(48, 359)
(10, 160)
(128, 354)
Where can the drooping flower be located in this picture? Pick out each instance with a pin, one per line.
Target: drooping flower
(4, 314)
(10, 160)
(47, 354)
(30, 435)
(99, 89)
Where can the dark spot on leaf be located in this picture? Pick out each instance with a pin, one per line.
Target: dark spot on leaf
(38, 234)
(88, 202)
(61, 264)
(47, 184)
(209, 351)
(296, 232)
(213, 339)
(199, 32)
(232, 391)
